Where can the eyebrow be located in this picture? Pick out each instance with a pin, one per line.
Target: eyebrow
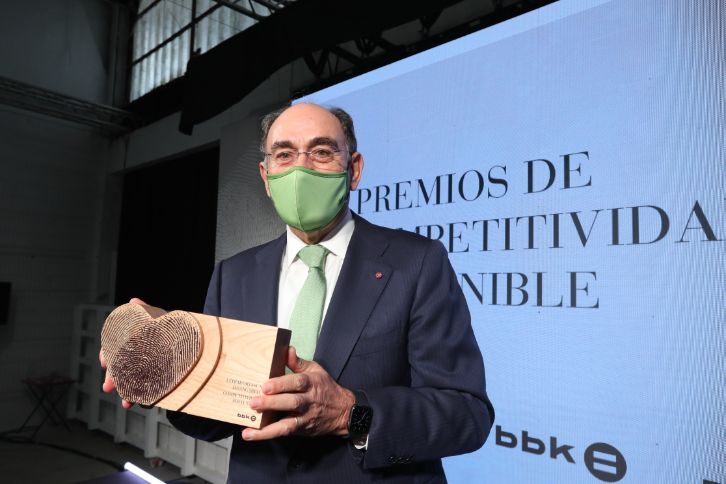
(317, 141)
(282, 144)
(323, 140)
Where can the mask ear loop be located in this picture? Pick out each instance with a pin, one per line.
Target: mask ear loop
(349, 176)
(349, 169)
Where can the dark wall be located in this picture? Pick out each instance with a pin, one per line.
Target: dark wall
(167, 233)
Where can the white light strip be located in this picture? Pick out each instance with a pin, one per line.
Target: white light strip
(142, 474)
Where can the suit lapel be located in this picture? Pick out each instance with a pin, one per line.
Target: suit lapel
(362, 279)
(262, 283)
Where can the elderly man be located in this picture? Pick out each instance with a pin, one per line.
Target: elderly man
(385, 376)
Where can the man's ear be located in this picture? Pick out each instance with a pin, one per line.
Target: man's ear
(356, 169)
(263, 175)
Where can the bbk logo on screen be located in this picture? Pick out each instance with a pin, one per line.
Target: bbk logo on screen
(602, 460)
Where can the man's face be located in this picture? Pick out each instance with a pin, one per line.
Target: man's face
(304, 127)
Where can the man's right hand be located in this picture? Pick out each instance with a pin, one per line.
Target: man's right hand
(108, 384)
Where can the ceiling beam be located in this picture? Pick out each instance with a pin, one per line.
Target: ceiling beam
(240, 9)
(109, 120)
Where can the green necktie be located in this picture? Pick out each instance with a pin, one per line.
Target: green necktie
(308, 311)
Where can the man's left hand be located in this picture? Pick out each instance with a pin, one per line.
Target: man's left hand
(315, 404)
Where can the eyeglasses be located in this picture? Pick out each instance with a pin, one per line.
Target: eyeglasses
(321, 157)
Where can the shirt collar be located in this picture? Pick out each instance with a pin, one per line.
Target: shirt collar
(336, 241)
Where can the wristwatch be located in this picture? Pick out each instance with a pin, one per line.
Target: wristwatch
(361, 414)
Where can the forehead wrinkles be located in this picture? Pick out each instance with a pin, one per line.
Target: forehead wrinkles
(302, 128)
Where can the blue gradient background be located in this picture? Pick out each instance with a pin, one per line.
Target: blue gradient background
(640, 86)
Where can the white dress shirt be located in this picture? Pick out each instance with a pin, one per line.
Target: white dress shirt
(293, 271)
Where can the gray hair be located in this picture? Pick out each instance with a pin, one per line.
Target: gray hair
(346, 122)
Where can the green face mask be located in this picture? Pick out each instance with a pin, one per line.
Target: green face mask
(308, 200)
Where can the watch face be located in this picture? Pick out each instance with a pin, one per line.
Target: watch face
(360, 419)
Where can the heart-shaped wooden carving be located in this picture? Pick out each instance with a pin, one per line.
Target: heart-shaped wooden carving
(148, 357)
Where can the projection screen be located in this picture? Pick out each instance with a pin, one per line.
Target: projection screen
(571, 160)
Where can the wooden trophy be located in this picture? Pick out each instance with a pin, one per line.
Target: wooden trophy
(194, 363)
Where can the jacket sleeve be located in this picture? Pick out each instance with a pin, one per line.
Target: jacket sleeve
(191, 425)
(445, 411)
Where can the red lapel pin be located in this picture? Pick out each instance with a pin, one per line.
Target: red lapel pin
(379, 275)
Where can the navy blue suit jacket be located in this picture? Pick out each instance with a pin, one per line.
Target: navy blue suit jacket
(404, 338)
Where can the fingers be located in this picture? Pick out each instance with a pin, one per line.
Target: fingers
(281, 428)
(314, 403)
(153, 311)
(292, 358)
(108, 385)
(297, 364)
(293, 383)
(287, 402)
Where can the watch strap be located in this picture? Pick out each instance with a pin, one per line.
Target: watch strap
(361, 398)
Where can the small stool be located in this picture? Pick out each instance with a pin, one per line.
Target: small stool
(48, 392)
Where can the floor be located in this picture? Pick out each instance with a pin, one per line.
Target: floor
(60, 456)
